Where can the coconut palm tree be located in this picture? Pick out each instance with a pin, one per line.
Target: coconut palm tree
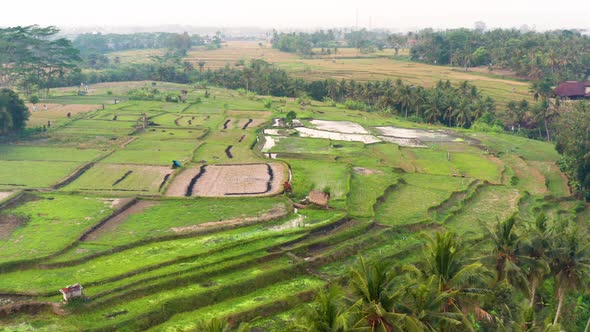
(536, 244)
(446, 259)
(423, 301)
(506, 255)
(373, 287)
(569, 259)
(327, 313)
(201, 66)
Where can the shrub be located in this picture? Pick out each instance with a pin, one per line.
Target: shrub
(34, 99)
(355, 105)
(144, 93)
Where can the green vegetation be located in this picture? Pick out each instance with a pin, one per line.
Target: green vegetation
(169, 261)
(46, 224)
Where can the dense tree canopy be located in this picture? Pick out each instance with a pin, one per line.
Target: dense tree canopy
(32, 56)
(558, 55)
(13, 112)
(572, 136)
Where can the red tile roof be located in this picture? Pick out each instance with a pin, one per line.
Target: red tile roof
(71, 288)
(572, 89)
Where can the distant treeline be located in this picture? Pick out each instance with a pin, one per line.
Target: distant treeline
(329, 41)
(558, 55)
(105, 43)
(93, 47)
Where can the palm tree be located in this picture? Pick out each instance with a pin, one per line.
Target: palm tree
(458, 279)
(505, 255)
(327, 313)
(423, 301)
(535, 245)
(404, 98)
(433, 106)
(462, 114)
(201, 66)
(220, 325)
(372, 285)
(569, 260)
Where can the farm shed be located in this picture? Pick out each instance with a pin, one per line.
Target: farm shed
(72, 292)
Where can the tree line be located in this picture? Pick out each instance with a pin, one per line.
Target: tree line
(94, 47)
(558, 55)
(451, 105)
(329, 41)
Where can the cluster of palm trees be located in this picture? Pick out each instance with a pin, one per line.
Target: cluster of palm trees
(517, 278)
(452, 289)
(451, 105)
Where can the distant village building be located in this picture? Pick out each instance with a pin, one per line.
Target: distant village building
(72, 292)
(573, 90)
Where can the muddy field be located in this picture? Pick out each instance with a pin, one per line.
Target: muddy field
(419, 134)
(230, 180)
(314, 133)
(346, 127)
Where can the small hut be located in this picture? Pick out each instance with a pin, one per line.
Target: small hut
(72, 292)
(319, 198)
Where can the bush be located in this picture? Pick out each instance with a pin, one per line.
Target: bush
(355, 105)
(268, 103)
(109, 92)
(144, 93)
(172, 97)
(34, 99)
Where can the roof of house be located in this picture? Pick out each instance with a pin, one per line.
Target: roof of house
(72, 288)
(319, 198)
(572, 89)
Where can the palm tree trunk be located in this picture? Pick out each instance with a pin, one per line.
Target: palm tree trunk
(547, 130)
(533, 291)
(587, 325)
(560, 297)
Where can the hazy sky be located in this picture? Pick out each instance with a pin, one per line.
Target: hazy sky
(542, 14)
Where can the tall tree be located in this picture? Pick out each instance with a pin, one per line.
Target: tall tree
(13, 112)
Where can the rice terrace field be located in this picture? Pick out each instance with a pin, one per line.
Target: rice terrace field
(95, 200)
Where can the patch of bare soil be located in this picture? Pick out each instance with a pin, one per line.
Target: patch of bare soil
(181, 182)
(366, 171)
(314, 133)
(420, 134)
(254, 123)
(346, 127)
(8, 223)
(278, 211)
(112, 224)
(409, 142)
(5, 194)
(241, 180)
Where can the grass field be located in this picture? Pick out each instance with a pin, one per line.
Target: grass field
(164, 263)
(47, 223)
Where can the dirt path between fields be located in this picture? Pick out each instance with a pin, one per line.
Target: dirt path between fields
(112, 224)
(278, 211)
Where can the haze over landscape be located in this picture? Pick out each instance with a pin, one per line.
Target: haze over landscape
(294, 166)
(304, 14)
